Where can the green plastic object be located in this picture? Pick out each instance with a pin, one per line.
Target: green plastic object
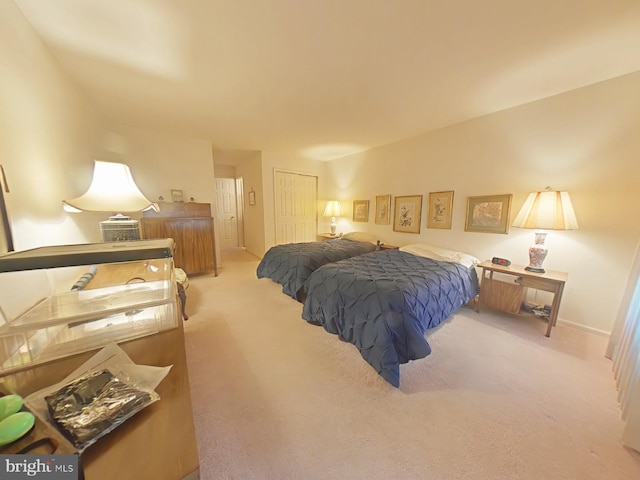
(15, 426)
(9, 404)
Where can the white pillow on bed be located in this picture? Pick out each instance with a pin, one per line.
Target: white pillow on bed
(442, 254)
(362, 237)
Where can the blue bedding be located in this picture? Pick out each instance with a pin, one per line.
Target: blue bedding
(291, 264)
(384, 302)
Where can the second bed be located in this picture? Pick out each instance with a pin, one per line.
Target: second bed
(384, 302)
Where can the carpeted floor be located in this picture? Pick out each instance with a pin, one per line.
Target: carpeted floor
(277, 398)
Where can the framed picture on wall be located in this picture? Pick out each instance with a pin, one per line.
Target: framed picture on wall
(488, 214)
(440, 209)
(361, 210)
(252, 198)
(177, 196)
(383, 209)
(407, 214)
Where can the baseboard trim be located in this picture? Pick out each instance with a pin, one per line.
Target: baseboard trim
(596, 331)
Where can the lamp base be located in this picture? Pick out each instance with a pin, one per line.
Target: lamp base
(534, 269)
(120, 230)
(537, 253)
(333, 225)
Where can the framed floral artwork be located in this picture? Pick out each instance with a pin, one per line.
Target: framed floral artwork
(361, 210)
(440, 209)
(488, 214)
(383, 209)
(407, 214)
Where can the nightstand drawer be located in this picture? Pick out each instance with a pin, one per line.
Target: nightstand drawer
(538, 284)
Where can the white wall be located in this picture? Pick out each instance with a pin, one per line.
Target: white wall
(48, 129)
(161, 162)
(51, 134)
(585, 141)
(251, 172)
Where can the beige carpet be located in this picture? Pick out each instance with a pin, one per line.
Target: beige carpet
(277, 398)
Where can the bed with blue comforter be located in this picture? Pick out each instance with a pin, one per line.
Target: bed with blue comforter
(384, 302)
(291, 264)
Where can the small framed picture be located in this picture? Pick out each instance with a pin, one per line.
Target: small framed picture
(177, 196)
(252, 198)
(361, 210)
(488, 214)
(440, 209)
(383, 209)
(407, 214)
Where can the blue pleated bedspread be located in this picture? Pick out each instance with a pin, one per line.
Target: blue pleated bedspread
(384, 302)
(291, 264)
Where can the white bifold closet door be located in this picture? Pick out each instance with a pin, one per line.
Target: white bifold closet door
(624, 350)
(295, 207)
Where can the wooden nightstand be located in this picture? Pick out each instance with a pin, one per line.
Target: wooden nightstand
(388, 247)
(323, 237)
(509, 296)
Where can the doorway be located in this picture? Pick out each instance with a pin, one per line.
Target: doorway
(228, 211)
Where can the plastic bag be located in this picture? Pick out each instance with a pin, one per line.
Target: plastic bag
(98, 397)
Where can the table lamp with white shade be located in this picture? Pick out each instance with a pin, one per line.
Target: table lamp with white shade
(333, 210)
(113, 189)
(546, 210)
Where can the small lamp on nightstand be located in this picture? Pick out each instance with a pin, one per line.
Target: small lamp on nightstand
(547, 210)
(333, 210)
(112, 189)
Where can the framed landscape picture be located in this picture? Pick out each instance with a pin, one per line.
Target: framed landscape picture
(488, 214)
(407, 214)
(383, 209)
(361, 210)
(440, 209)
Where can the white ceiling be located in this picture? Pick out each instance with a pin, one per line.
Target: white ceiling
(326, 78)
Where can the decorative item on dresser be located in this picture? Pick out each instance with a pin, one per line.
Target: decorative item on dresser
(191, 227)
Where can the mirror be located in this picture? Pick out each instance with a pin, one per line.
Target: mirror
(6, 239)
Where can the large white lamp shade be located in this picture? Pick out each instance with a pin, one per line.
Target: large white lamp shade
(113, 189)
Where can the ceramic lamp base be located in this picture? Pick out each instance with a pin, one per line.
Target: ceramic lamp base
(333, 225)
(537, 254)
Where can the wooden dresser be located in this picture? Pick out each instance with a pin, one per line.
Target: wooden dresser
(191, 227)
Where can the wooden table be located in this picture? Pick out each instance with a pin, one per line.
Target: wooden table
(508, 296)
(323, 237)
(158, 442)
